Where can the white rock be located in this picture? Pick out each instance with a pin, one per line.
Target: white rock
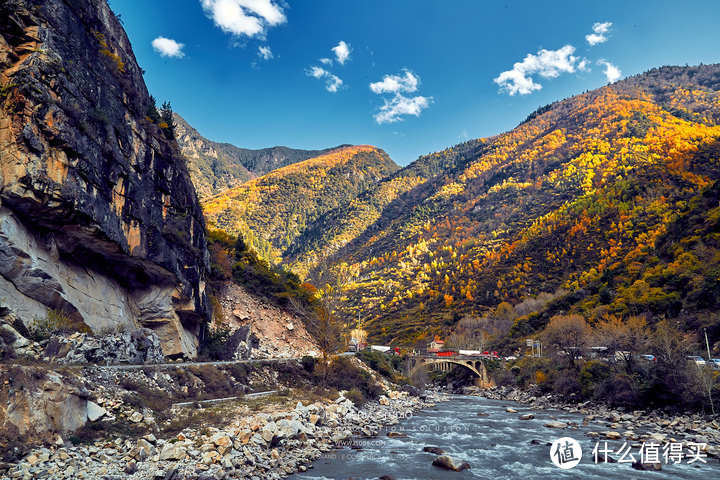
(136, 417)
(268, 431)
(172, 451)
(94, 411)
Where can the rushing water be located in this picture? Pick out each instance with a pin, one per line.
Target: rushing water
(497, 446)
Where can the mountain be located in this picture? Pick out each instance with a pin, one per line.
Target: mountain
(215, 167)
(272, 211)
(606, 202)
(100, 226)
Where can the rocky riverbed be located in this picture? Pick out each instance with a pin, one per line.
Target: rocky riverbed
(492, 439)
(634, 426)
(265, 445)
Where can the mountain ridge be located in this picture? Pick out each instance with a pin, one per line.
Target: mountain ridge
(217, 166)
(277, 206)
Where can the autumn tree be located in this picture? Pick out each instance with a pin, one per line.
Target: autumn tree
(623, 337)
(570, 334)
(469, 334)
(327, 332)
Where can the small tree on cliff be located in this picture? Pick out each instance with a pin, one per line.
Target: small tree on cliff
(167, 123)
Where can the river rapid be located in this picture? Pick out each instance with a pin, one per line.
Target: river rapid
(497, 445)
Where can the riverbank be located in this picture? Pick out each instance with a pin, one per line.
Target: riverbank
(268, 444)
(634, 426)
(496, 444)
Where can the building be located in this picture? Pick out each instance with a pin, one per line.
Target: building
(436, 345)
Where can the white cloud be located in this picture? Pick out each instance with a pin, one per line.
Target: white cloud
(584, 65)
(332, 82)
(342, 52)
(599, 35)
(168, 47)
(264, 52)
(393, 109)
(612, 73)
(244, 17)
(406, 82)
(326, 61)
(547, 64)
(399, 105)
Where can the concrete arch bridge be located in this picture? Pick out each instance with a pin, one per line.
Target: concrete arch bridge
(446, 364)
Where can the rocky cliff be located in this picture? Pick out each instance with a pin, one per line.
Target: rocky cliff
(98, 216)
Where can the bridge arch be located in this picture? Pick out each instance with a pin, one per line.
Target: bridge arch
(474, 365)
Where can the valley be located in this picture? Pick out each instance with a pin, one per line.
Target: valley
(179, 308)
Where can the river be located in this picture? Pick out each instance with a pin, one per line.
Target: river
(497, 446)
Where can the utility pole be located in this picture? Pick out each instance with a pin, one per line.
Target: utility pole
(709, 364)
(707, 344)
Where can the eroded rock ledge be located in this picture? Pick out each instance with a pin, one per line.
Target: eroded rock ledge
(98, 216)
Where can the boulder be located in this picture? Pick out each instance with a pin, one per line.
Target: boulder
(289, 428)
(144, 449)
(173, 451)
(44, 403)
(555, 424)
(435, 450)
(527, 416)
(268, 432)
(448, 463)
(221, 439)
(637, 465)
(94, 411)
(136, 417)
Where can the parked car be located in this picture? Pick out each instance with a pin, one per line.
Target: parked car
(715, 363)
(648, 357)
(699, 361)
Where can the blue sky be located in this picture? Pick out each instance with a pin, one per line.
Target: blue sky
(432, 64)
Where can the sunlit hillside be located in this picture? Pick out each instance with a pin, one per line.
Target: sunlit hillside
(272, 210)
(584, 200)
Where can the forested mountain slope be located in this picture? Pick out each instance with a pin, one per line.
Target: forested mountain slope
(607, 200)
(273, 210)
(215, 166)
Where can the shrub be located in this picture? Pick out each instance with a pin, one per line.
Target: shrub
(381, 363)
(356, 396)
(144, 396)
(215, 339)
(239, 371)
(618, 390)
(217, 383)
(592, 374)
(344, 375)
(308, 363)
(55, 322)
(566, 384)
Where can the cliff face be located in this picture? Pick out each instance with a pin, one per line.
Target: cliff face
(98, 216)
